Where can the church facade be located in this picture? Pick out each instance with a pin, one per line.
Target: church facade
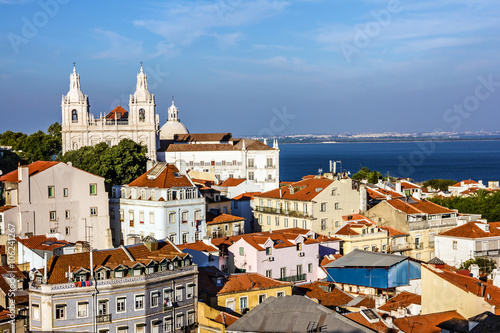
(140, 123)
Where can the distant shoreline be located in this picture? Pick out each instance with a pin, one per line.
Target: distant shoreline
(387, 141)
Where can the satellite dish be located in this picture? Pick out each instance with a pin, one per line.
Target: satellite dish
(170, 266)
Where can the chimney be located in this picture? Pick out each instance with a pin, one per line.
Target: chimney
(474, 270)
(22, 172)
(398, 186)
(181, 165)
(150, 164)
(480, 183)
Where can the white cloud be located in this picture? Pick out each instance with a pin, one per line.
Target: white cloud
(228, 40)
(182, 24)
(117, 46)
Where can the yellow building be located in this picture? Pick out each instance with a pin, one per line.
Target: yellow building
(421, 219)
(211, 320)
(443, 290)
(243, 292)
(358, 232)
(316, 203)
(224, 225)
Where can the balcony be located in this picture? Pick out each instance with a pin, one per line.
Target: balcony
(293, 278)
(399, 248)
(105, 318)
(271, 210)
(484, 253)
(419, 246)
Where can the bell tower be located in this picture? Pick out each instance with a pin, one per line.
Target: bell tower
(142, 103)
(75, 110)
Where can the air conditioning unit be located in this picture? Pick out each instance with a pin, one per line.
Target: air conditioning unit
(271, 258)
(301, 254)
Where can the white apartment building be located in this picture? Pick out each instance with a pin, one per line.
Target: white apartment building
(162, 203)
(56, 198)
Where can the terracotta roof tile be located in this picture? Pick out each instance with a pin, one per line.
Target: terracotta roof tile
(408, 185)
(425, 323)
(246, 196)
(198, 246)
(378, 326)
(223, 218)
(466, 182)
(415, 206)
(230, 182)
(402, 300)
(168, 178)
(393, 232)
(33, 168)
(249, 281)
(200, 137)
(201, 147)
(42, 242)
(252, 145)
(5, 208)
(120, 113)
(226, 319)
(325, 292)
(472, 230)
(304, 190)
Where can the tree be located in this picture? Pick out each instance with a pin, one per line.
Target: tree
(486, 265)
(8, 161)
(370, 176)
(119, 164)
(439, 184)
(483, 202)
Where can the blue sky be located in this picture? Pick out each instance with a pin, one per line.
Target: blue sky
(264, 66)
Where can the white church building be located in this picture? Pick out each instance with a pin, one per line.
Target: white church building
(80, 128)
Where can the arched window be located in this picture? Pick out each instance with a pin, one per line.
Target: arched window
(142, 115)
(74, 116)
(75, 146)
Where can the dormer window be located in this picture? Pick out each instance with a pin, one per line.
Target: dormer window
(150, 269)
(119, 274)
(81, 277)
(101, 275)
(487, 228)
(137, 271)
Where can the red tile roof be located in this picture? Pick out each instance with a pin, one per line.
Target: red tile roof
(5, 315)
(469, 284)
(402, 300)
(120, 113)
(408, 185)
(200, 137)
(466, 182)
(325, 292)
(33, 168)
(201, 147)
(304, 190)
(250, 281)
(326, 260)
(42, 242)
(230, 182)
(223, 218)
(198, 246)
(246, 196)
(226, 319)
(378, 326)
(418, 207)
(5, 208)
(168, 178)
(472, 230)
(393, 232)
(425, 323)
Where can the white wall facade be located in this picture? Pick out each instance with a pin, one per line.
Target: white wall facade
(129, 204)
(455, 254)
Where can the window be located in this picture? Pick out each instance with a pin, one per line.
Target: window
(334, 191)
(298, 246)
(262, 298)
(50, 191)
(277, 221)
(53, 230)
(52, 215)
(179, 322)
(82, 309)
(172, 237)
(366, 248)
(65, 192)
(197, 236)
(68, 230)
(61, 311)
(197, 214)
(155, 296)
(167, 325)
(142, 115)
(171, 217)
(282, 272)
(323, 207)
(66, 214)
(74, 116)
(268, 220)
(151, 217)
(323, 224)
(243, 303)
(120, 304)
(122, 215)
(310, 268)
(336, 224)
(103, 307)
(251, 163)
(269, 273)
(251, 175)
(190, 290)
(336, 206)
(305, 208)
(185, 237)
(141, 217)
(184, 217)
(299, 270)
(285, 222)
(93, 189)
(269, 163)
(131, 217)
(280, 294)
(139, 328)
(295, 223)
(122, 329)
(260, 219)
(36, 311)
(374, 248)
(304, 224)
(190, 317)
(455, 246)
(178, 294)
(139, 302)
(384, 248)
(268, 251)
(242, 251)
(93, 211)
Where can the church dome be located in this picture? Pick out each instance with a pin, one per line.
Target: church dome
(173, 125)
(170, 128)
